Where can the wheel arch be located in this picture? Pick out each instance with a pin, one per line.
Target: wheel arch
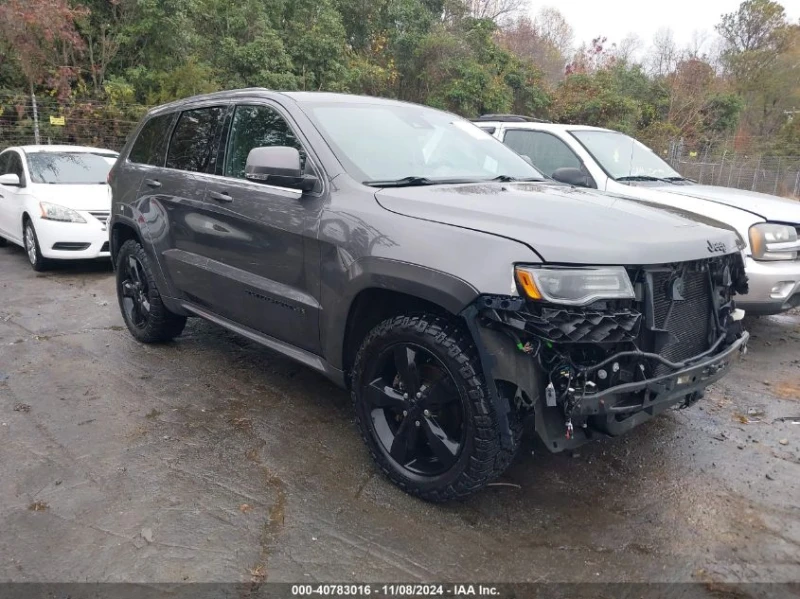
(381, 289)
(121, 232)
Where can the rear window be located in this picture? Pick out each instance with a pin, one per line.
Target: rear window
(151, 145)
(193, 143)
(65, 168)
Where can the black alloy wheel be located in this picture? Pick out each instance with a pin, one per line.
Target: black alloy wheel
(416, 411)
(423, 408)
(135, 292)
(145, 314)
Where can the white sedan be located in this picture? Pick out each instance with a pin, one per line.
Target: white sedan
(55, 201)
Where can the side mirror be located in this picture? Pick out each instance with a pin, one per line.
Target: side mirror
(573, 176)
(279, 166)
(10, 179)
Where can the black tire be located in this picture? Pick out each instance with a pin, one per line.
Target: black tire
(33, 250)
(145, 315)
(441, 351)
(3, 242)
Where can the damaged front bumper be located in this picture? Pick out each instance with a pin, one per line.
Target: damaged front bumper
(650, 397)
(604, 368)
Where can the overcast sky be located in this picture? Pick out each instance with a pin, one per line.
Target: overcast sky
(615, 19)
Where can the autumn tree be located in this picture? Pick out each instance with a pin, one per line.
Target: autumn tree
(42, 37)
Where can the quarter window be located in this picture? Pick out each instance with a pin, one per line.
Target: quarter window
(151, 145)
(193, 147)
(547, 152)
(257, 127)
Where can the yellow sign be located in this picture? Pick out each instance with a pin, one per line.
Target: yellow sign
(58, 120)
(692, 154)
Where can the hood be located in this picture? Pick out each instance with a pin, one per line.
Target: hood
(766, 206)
(564, 224)
(95, 197)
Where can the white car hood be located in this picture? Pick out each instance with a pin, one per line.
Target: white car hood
(95, 197)
(766, 206)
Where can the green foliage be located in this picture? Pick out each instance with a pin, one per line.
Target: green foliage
(122, 54)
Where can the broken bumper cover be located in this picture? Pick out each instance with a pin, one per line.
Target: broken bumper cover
(652, 396)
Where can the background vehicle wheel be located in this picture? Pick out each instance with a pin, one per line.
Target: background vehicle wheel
(147, 318)
(32, 249)
(423, 408)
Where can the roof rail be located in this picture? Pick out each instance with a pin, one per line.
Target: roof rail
(509, 118)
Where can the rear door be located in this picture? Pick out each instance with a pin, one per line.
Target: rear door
(172, 201)
(254, 234)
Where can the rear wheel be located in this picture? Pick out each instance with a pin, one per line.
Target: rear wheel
(145, 315)
(32, 248)
(423, 409)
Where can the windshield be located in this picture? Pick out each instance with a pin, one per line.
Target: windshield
(386, 142)
(68, 167)
(622, 156)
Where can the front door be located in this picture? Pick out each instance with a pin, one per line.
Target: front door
(12, 197)
(255, 235)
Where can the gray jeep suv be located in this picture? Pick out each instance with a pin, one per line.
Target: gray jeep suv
(411, 257)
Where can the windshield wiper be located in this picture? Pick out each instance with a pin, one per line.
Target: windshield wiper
(674, 179)
(510, 179)
(404, 182)
(641, 178)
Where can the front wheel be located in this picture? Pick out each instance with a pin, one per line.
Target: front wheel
(424, 410)
(33, 249)
(145, 315)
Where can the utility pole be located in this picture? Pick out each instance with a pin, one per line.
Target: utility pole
(35, 117)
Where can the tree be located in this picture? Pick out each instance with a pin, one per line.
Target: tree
(545, 40)
(42, 37)
(758, 44)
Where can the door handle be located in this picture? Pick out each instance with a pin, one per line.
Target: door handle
(152, 183)
(220, 196)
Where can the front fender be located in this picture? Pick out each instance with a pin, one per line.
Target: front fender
(445, 290)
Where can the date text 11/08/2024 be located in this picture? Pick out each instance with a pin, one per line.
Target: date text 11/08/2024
(395, 590)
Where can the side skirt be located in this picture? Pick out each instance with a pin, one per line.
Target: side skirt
(306, 358)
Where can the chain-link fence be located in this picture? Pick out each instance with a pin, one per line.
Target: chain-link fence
(776, 175)
(73, 123)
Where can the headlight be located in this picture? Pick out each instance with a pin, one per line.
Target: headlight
(769, 241)
(60, 213)
(574, 286)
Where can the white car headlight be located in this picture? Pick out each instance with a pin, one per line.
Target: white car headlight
(60, 213)
(574, 286)
(770, 241)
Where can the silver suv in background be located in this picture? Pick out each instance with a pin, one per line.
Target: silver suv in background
(611, 161)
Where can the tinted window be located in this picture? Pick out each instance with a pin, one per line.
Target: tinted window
(546, 151)
(256, 127)
(151, 145)
(67, 167)
(192, 147)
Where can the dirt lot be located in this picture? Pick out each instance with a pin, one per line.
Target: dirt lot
(212, 459)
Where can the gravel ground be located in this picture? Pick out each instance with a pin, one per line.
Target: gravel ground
(213, 459)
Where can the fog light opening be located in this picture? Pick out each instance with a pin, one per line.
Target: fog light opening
(781, 290)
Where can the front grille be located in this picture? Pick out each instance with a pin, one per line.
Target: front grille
(687, 320)
(101, 215)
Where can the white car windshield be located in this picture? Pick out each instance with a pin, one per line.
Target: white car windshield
(623, 157)
(65, 168)
(391, 143)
